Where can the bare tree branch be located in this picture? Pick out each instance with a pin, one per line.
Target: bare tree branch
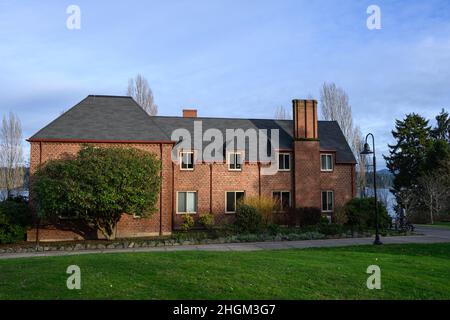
(335, 107)
(282, 114)
(11, 154)
(139, 89)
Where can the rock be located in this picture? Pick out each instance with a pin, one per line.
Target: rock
(101, 246)
(131, 245)
(110, 246)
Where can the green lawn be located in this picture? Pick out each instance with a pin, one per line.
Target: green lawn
(407, 271)
(445, 225)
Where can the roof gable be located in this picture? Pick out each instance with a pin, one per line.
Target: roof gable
(103, 118)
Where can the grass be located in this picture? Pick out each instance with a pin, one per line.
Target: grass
(444, 224)
(411, 271)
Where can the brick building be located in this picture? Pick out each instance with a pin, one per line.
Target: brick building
(315, 166)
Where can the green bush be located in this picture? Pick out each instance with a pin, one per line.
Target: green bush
(98, 186)
(188, 222)
(207, 221)
(303, 217)
(15, 217)
(273, 229)
(248, 219)
(361, 214)
(331, 229)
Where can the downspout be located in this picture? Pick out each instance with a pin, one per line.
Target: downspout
(160, 191)
(37, 215)
(259, 179)
(210, 187)
(173, 196)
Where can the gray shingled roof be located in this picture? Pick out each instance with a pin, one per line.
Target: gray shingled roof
(103, 118)
(117, 118)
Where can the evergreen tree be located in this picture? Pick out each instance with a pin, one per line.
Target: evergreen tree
(408, 157)
(442, 129)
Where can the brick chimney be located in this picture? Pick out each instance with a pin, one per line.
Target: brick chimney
(189, 113)
(305, 119)
(306, 154)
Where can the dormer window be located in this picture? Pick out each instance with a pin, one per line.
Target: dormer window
(326, 162)
(234, 161)
(187, 160)
(284, 162)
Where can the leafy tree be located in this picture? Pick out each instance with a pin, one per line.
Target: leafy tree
(98, 186)
(15, 217)
(361, 214)
(408, 156)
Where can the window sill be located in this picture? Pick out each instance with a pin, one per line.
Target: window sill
(181, 213)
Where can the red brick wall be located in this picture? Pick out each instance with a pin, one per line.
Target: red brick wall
(341, 180)
(307, 168)
(309, 181)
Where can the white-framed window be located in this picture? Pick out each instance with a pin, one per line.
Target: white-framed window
(282, 199)
(326, 162)
(187, 160)
(234, 160)
(186, 202)
(327, 201)
(232, 199)
(284, 162)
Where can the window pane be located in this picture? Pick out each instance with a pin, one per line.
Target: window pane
(324, 201)
(277, 199)
(231, 161)
(191, 202)
(239, 197)
(238, 160)
(329, 164)
(286, 162)
(286, 200)
(181, 201)
(230, 202)
(322, 162)
(330, 200)
(280, 162)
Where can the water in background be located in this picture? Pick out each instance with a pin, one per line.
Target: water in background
(23, 193)
(384, 195)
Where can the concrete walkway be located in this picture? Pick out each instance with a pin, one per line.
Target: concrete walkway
(428, 235)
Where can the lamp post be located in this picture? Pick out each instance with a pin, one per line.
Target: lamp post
(367, 151)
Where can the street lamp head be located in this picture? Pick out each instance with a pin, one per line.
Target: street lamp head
(366, 149)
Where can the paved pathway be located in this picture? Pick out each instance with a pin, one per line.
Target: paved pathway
(428, 235)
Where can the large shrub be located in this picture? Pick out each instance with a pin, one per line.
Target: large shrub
(188, 222)
(361, 214)
(15, 217)
(248, 219)
(264, 205)
(206, 220)
(98, 186)
(303, 217)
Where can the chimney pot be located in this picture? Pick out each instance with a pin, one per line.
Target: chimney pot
(189, 113)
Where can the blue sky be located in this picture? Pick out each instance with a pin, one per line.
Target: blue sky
(227, 58)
